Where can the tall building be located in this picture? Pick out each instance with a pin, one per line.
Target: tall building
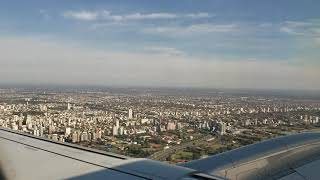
(35, 132)
(117, 123)
(28, 119)
(74, 137)
(79, 136)
(222, 128)
(130, 114)
(98, 133)
(179, 126)
(67, 131)
(115, 130)
(41, 130)
(50, 129)
(89, 136)
(121, 130)
(93, 136)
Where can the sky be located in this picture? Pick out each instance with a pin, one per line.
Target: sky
(270, 44)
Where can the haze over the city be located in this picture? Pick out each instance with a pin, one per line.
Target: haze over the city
(188, 43)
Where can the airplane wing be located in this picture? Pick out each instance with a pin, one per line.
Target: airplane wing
(24, 156)
(294, 157)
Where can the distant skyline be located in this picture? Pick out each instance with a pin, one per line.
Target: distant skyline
(185, 43)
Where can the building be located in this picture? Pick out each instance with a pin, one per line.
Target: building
(179, 126)
(41, 130)
(130, 114)
(43, 107)
(84, 136)
(54, 137)
(222, 128)
(93, 136)
(78, 136)
(117, 123)
(98, 133)
(61, 138)
(171, 126)
(115, 130)
(67, 131)
(144, 121)
(74, 137)
(50, 129)
(121, 130)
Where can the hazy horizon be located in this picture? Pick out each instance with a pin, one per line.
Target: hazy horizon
(141, 87)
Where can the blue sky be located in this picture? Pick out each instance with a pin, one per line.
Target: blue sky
(213, 43)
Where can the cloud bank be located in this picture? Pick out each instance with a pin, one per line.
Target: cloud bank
(32, 60)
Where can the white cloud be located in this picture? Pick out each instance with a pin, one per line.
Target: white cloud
(213, 28)
(193, 29)
(103, 25)
(297, 23)
(306, 34)
(309, 28)
(29, 60)
(139, 16)
(199, 15)
(81, 15)
(165, 51)
(289, 30)
(136, 16)
(107, 15)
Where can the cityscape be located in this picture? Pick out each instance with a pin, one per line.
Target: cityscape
(160, 90)
(168, 124)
